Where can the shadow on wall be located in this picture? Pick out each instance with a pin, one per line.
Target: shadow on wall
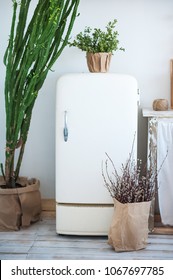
(142, 136)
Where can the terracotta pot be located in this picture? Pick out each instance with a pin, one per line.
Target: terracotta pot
(20, 207)
(98, 62)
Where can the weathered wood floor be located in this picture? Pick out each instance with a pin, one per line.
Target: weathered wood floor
(40, 241)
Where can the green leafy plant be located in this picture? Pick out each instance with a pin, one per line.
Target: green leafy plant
(96, 40)
(33, 48)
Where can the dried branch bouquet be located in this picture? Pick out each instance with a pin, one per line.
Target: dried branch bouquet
(136, 183)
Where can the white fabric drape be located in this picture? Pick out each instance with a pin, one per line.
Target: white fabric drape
(165, 175)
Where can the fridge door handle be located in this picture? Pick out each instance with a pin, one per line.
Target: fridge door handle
(65, 127)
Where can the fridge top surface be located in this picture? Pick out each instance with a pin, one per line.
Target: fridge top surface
(96, 77)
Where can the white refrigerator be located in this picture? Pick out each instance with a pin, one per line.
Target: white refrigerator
(96, 113)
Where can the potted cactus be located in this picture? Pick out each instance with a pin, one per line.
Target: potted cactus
(34, 46)
(99, 46)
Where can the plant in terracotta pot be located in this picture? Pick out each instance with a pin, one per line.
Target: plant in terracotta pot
(132, 189)
(99, 46)
(34, 45)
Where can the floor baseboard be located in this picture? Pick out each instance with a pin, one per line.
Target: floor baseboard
(48, 208)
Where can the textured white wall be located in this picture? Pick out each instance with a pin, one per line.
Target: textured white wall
(146, 32)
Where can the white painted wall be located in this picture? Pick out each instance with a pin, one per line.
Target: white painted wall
(146, 32)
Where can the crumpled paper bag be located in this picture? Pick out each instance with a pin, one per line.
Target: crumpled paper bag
(129, 226)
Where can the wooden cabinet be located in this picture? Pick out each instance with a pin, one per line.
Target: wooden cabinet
(153, 117)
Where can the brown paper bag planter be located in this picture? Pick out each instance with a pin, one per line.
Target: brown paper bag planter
(98, 62)
(19, 207)
(129, 227)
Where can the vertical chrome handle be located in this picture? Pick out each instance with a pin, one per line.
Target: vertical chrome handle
(65, 127)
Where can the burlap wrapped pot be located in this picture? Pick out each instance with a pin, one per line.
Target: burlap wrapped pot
(19, 207)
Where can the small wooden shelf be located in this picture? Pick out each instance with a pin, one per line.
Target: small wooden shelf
(150, 113)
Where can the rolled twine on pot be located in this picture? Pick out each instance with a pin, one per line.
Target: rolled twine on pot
(160, 105)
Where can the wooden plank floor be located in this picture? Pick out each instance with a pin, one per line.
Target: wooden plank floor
(40, 242)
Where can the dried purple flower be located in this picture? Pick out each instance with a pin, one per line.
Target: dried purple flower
(136, 183)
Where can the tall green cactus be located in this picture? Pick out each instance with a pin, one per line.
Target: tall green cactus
(32, 50)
